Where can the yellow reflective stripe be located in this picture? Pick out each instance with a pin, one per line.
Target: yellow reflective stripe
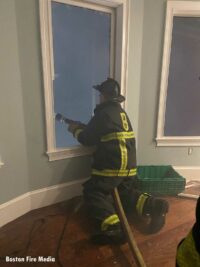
(77, 132)
(113, 219)
(140, 203)
(187, 254)
(124, 121)
(124, 154)
(112, 173)
(117, 136)
(121, 137)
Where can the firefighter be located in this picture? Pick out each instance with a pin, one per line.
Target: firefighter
(188, 251)
(114, 165)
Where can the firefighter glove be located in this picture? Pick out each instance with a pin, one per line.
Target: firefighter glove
(73, 127)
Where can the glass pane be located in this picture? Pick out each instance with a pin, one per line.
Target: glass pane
(81, 47)
(183, 93)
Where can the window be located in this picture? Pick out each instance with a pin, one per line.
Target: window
(83, 43)
(179, 109)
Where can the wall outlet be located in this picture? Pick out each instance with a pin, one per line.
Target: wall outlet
(190, 150)
(1, 162)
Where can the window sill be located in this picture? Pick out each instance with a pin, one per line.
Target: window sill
(178, 141)
(69, 153)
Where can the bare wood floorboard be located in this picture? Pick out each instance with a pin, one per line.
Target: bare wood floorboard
(63, 232)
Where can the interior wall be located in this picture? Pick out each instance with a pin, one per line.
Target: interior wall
(152, 47)
(42, 173)
(23, 139)
(14, 174)
(22, 113)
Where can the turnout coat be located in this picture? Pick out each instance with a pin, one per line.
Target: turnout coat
(188, 251)
(111, 132)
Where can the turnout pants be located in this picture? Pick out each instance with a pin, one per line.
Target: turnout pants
(97, 195)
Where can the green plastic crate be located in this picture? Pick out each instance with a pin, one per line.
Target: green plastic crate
(160, 180)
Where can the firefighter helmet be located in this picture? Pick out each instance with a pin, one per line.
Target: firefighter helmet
(111, 89)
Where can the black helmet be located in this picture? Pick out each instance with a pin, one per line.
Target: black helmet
(111, 89)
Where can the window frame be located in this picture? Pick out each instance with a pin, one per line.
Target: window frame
(118, 57)
(181, 9)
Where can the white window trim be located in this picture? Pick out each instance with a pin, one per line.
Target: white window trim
(174, 8)
(48, 66)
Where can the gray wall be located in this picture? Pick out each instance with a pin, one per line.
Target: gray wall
(14, 175)
(152, 47)
(22, 132)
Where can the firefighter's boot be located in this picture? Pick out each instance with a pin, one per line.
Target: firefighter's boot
(111, 232)
(153, 212)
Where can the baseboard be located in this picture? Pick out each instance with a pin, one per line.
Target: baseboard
(36, 199)
(189, 172)
(14, 208)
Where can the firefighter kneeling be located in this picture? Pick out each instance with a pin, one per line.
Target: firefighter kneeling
(114, 165)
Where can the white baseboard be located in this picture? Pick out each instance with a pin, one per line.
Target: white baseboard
(14, 208)
(189, 172)
(36, 199)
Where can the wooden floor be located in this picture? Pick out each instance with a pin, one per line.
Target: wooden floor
(62, 232)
